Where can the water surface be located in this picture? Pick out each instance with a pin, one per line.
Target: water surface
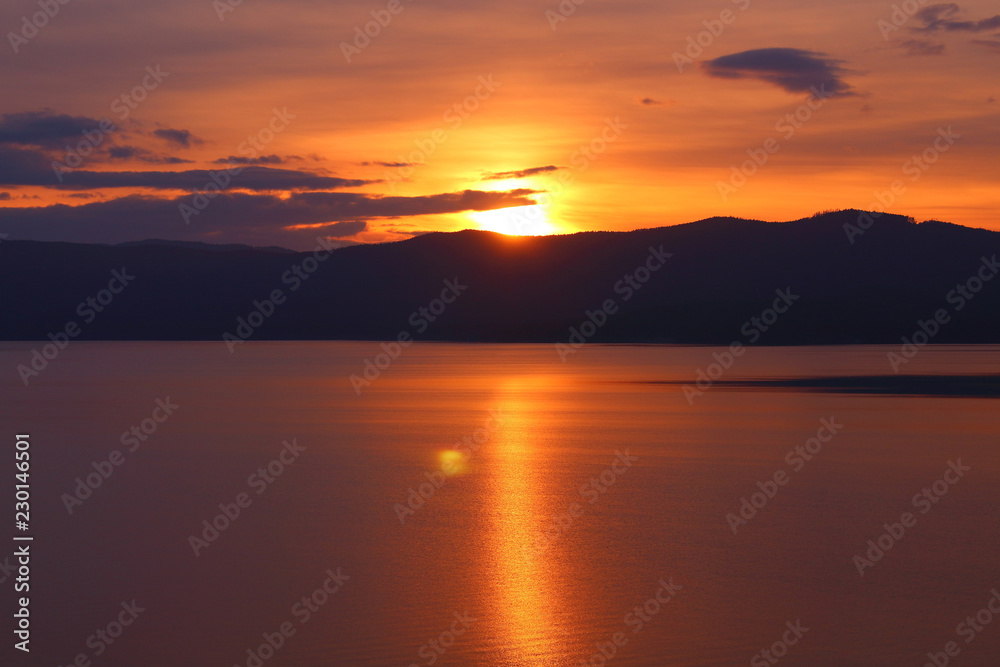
(475, 552)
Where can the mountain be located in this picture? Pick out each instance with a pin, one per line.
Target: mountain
(844, 284)
(198, 245)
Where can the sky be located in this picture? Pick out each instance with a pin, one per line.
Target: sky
(278, 123)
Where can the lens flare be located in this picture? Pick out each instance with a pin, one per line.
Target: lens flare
(452, 462)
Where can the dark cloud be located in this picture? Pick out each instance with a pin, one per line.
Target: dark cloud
(942, 17)
(387, 164)
(255, 219)
(992, 44)
(44, 129)
(794, 70)
(649, 101)
(143, 155)
(5, 196)
(520, 173)
(28, 167)
(124, 152)
(263, 159)
(24, 166)
(182, 138)
(248, 178)
(922, 47)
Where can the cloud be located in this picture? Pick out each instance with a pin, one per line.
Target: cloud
(262, 159)
(28, 167)
(793, 70)
(182, 138)
(922, 47)
(653, 102)
(992, 44)
(24, 166)
(387, 164)
(44, 128)
(255, 219)
(942, 17)
(5, 196)
(520, 173)
(143, 155)
(249, 178)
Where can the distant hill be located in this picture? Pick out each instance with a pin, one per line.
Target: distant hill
(722, 272)
(214, 247)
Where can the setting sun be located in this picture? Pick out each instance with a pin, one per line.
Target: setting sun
(515, 221)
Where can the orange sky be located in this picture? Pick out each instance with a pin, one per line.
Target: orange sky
(606, 77)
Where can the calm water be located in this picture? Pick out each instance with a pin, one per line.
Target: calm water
(473, 558)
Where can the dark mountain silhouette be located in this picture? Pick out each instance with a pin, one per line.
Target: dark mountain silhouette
(723, 271)
(198, 245)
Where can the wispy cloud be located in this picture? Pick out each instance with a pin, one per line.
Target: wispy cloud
(262, 159)
(20, 166)
(143, 155)
(520, 173)
(386, 164)
(922, 47)
(181, 138)
(943, 17)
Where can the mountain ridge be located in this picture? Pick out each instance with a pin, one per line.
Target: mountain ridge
(722, 272)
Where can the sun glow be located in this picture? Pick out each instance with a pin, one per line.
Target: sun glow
(515, 221)
(452, 461)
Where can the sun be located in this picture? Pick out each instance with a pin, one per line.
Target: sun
(529, 220)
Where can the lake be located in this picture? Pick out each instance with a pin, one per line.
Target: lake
(481, 505)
